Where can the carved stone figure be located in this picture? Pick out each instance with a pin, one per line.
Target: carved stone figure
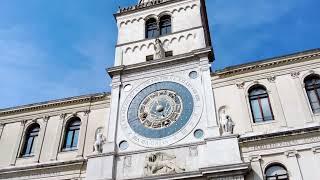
(159, 50)
(98, 145)
(161, 163)
(226, 123)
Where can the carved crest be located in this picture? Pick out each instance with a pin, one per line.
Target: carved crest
(161, 163)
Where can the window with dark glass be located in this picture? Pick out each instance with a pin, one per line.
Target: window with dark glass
(30, 140)
(260, 104)
(72, 134)
(168, 54)
(151, 28)
(165, 25)
(312, 85)
(276, 172)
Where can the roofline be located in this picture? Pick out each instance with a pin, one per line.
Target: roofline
(142, 6)
(55, 103)
(268, 63)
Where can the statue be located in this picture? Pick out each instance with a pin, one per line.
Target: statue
(226, 123)
(161, 163)
(98, 144)
(159, 50)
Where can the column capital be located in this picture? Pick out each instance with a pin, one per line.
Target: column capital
(316, 149)
(63, 116)
(23, 122)
(46, 119)
(255, 158)
(295, 75)
(291, 153)
(272, 79)
(240, 85)
(87, 112)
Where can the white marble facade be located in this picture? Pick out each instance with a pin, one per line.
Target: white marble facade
(221, 140)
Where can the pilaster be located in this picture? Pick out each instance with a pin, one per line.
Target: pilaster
(208, 97)
(277, 103)
(58, 137)
(17, 144)
(293, 165)
(83, 132)
(1, 129)
(42, 133)
(114, 112)
(316, 152)
(303, 101)
(244, 107)
(256, 167)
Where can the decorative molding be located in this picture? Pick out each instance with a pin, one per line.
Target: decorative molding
(295, 74)
(55, 103)
(268, 63)
(253, 138)
(150, 4)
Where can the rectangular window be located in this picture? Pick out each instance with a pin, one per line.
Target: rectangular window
(168, 54)
(149, 58)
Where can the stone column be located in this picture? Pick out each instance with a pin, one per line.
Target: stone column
(293, 165)
(41, 138)
(208, 97)
(17, 144)
(244, 107)
(83, 132)
(111, 124)
(301, 95)
(58, 137)
(277, 103)
(256, 167)
(1, 129)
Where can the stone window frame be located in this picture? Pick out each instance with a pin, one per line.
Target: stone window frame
(26, 127)
(271, 99)
(157, 18)
(63, 134)
(274, 163)
(306, 98)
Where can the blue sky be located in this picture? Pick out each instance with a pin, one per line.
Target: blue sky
(56, 49)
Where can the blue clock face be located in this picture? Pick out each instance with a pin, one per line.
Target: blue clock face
(160, 110)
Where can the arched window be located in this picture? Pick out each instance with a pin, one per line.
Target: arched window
(30, 141)
(276, 172)
(260, 104)
(151, 28)
(165, 25)
(312, 85)
(71, 134)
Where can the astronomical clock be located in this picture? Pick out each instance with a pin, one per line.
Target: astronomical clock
(161, 111)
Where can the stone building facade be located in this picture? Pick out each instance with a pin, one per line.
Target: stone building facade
(168, 116)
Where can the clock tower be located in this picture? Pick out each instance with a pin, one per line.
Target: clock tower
(163, 122)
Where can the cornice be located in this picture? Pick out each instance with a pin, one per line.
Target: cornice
(41, 165)
(55, 103)
(292, 132)
(204, 52)
(268, 63)
(143, 6)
